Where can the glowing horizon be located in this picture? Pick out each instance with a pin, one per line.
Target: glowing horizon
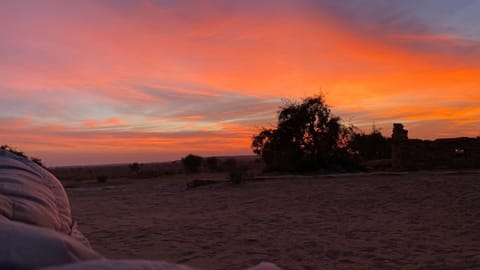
(125, 81)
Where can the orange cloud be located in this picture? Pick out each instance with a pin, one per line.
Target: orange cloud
(104, 123)
(108, 79)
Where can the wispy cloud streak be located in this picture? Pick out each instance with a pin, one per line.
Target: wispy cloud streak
(162, 77)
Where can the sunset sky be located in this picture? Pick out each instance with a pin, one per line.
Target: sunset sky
(109, 81)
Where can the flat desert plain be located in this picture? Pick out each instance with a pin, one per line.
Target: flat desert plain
(421, 220)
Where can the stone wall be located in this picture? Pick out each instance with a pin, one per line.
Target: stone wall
(414, 154)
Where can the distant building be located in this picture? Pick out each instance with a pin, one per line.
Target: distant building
(415, 154)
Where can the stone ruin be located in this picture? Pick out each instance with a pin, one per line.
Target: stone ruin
(399, 133)
(415, 154)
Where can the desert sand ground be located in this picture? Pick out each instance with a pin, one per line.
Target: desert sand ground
(422, 220)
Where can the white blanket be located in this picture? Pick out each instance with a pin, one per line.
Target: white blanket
(32, 195)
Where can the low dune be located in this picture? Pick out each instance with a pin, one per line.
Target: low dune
(391, 221)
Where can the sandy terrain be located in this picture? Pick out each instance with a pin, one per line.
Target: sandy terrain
(414, 221)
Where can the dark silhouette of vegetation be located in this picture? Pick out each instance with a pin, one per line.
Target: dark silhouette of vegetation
(308, 137)
(192, 163)
(372, 146)
(237, 174)
(102, 178)
(229, 164)
(135, 167)
(212, 164)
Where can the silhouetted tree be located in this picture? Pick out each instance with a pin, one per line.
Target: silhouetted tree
(371, 146)
(307, 138)
(192, 163)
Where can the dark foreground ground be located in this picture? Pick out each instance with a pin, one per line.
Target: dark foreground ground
(410, 221)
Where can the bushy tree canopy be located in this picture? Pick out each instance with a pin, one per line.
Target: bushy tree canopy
(192, 163)
(371, 146)
(307, 137)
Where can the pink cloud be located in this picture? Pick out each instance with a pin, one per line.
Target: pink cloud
(95, 77)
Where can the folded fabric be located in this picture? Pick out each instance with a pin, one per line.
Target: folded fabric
(30, 194)
(139, 265)
(24, 246)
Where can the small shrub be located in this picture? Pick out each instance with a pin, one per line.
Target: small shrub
(229, 164)
(135, 167)
(237, 174)
(191, 163)
(373, 146)
(102, 179)
(212, 164)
